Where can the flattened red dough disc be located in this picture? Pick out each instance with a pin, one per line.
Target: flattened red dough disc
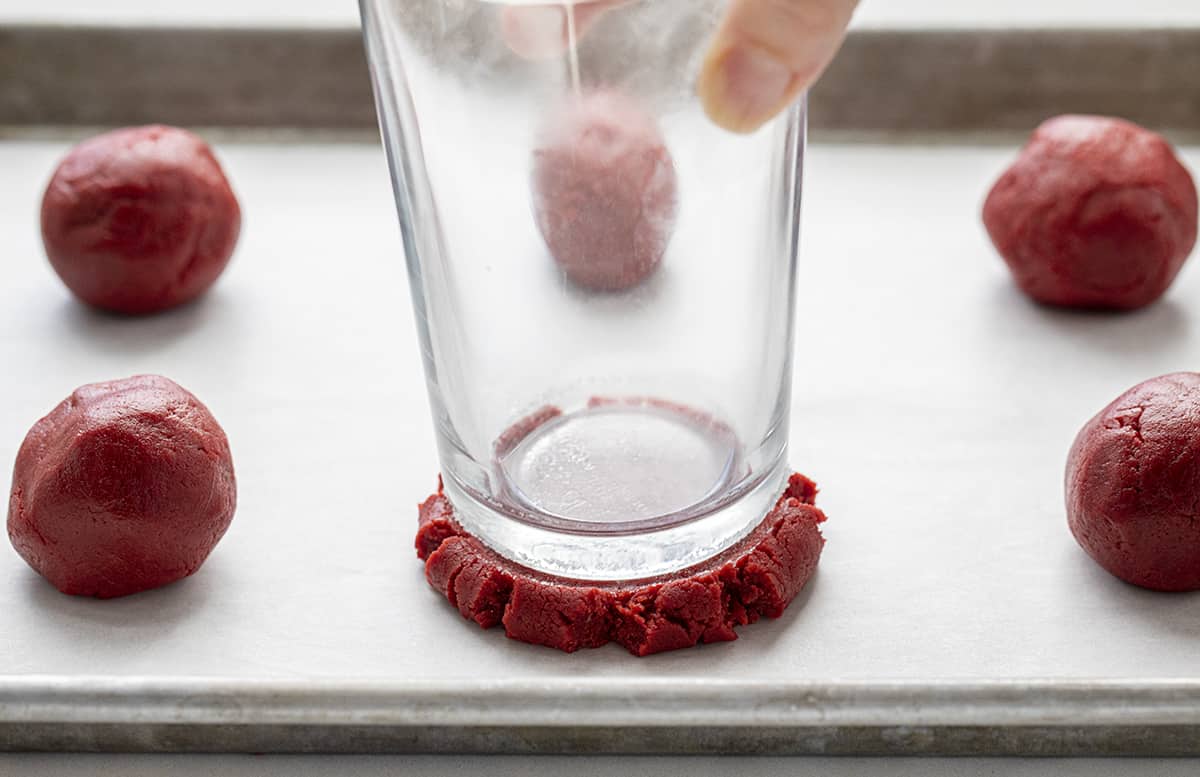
(757, 577)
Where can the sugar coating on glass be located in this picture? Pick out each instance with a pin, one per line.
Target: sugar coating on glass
(604, 191)
(618, 461)
(1095, 213)
(140, 219)
(1133, 484)
(125, 486)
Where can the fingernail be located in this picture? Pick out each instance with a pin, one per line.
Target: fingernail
(741, 88)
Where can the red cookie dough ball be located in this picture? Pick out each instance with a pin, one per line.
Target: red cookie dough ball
(140, 219)
(604, 192)
(123, 487)
(1095, 213)
(1133, 484)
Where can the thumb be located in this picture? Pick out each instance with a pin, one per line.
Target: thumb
(765, 54)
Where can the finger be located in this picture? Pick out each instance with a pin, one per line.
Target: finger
(540, 31)
(766, 52)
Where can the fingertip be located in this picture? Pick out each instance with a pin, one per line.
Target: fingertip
(765, 54)
(540, 31)
(533, 31)
(741, 88)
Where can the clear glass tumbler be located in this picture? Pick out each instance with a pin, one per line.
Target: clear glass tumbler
(604, 281)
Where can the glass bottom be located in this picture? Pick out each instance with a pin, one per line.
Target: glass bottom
(618, 466)
(617, 490)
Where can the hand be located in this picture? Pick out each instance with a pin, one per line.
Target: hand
(765, 53)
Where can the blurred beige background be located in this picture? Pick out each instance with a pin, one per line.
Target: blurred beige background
(873, 13)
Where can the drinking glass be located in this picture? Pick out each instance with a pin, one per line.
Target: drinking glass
(603, 279)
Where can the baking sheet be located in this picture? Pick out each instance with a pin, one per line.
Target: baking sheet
(889, 82)
(934, 405)
(593, 766)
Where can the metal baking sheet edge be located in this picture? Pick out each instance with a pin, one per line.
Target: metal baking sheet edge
(884, 81)
(1031, 718)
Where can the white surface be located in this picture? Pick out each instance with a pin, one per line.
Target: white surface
(446, 766)
(932, 404)
(871, 13)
